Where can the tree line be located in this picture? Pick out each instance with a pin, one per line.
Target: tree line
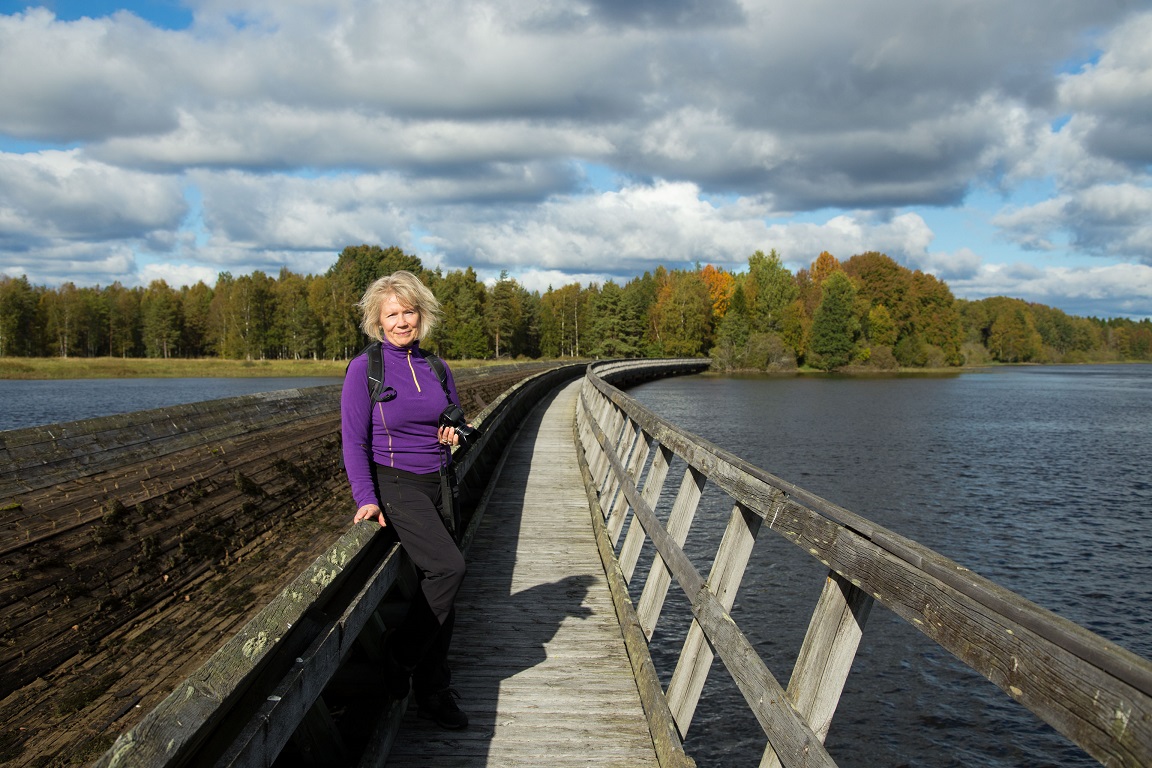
(867, 311)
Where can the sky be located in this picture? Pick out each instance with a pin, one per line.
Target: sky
(1005, 147)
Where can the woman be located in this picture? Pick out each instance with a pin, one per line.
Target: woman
(394, 452)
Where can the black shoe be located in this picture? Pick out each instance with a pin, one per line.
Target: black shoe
(397, 677)
(441, 707)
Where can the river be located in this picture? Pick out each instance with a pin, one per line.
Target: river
(1035, 477)
(33, 403)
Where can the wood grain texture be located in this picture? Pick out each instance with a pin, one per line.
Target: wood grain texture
(1096, 693)
(134, 546)
(538, 656)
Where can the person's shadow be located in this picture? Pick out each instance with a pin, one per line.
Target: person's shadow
(502, 632)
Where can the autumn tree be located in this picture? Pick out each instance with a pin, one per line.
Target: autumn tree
(681, 318)
(732, 334)
(721, 285)
(796, 328)
(881, 326)
(1138, 345)
(809, 291)
(761, 318)
(1012, 335)
(934, 316)
(824, 265)
(1065, 338)
(880, 280)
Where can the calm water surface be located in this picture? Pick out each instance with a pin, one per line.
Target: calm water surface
(35, 403)
(1037, 478)
(1034, 477)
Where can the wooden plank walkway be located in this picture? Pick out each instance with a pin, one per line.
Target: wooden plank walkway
(538, 657)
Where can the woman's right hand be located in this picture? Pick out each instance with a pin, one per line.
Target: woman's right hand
(370, 512)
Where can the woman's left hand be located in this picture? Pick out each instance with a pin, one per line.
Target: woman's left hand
(448, 436)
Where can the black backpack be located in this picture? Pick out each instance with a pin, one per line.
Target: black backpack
(376, 388)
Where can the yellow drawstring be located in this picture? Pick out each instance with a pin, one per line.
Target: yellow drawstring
(384, 422)
(414, 381)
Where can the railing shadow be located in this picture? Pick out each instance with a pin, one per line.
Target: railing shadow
(528, 619)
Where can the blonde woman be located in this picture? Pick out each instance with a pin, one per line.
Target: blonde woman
(394, 452)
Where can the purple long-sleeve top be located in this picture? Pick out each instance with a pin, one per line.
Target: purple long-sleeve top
(400, 433)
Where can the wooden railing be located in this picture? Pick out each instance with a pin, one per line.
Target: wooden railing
(266, 685)
(1094, 692)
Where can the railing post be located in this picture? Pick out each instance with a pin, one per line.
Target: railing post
(614, 499)
(727, 572)
(616, 427)
(653, 485)
(638, 454)
(595, 412)
(603, 413)
(679, 523)
(826, 657)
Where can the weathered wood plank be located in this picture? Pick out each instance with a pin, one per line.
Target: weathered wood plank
(636, 453)
(261, 741)
(653, 486)
(203, 699)
(538, 657)
(159, 602)
(1096, 693)
(728, 568)
(786, 730)
(826, 656)
(679, 524)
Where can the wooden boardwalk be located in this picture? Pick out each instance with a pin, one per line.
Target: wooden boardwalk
(538, 657)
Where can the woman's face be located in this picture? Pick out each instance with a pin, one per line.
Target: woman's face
(400, 323)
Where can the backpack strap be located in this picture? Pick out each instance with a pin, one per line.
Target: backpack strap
(437, 366)
(375, 373)
(375, 369)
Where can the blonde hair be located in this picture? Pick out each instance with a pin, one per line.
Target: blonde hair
(410, 292)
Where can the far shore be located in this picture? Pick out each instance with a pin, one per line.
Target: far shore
(136, 367)
(176, 367)
(181, 367)
(48, 368)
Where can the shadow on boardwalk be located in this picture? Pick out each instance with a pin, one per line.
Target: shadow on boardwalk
(538, 657)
